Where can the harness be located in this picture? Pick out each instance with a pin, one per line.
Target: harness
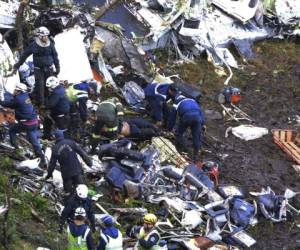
(176, 106)
(157, 93)
(111, 243)
(78, 243)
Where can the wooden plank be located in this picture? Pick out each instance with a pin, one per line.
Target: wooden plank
(282, 135)
(289, 134)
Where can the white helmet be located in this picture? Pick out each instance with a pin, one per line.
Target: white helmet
(21, 87)
(42, 31)
(52, 82)
(80, 211)
(82, 191)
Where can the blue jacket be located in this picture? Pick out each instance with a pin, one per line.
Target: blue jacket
(182, 106)
(24, 109)
(58, 102)
(109, 231)
(74, 202)
(65, 152)
(157, 91)
(42, 56)
(77, 231)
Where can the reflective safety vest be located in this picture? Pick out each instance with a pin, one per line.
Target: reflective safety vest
(157, 93)
(143, 235)
(77, 243)
(111, 243)
(73, 94)
(176, 106)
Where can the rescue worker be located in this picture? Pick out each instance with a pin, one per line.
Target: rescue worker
(26, 116)
(109, 117)
(110, 236)
(78, 95)
(79, 199)
(45, 62)
(58, 107)
(65, 152)
(190, 116)
(148, 237)
(79, 234)
(157, 96)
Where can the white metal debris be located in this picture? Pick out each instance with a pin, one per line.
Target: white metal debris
(243, 10)
(75, 66)
(6, 63)
(8, 12)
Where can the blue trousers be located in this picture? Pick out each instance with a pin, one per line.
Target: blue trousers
(193, 121)
(158, 109)
(32, 135)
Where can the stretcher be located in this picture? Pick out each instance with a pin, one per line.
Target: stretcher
(289, 142)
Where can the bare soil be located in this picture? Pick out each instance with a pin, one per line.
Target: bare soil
(271, 96)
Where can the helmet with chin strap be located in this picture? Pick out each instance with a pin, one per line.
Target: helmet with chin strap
(42, 31)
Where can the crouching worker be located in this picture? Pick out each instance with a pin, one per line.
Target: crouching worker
(79, 199)
(190, 116)
(109, 117)
(26, 116)
(65, 152)
(78, 95)
(148, 237)
(110, 236)
(79, 234)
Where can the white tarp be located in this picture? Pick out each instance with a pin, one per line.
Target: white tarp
(74, 63)
(247, 132)
(6, 63)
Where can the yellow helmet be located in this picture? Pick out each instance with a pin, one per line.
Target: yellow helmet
(150, 219)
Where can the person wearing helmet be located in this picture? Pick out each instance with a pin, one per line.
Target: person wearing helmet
(110, 236)
(45, 60)
(148, 237)
(58, 106)
(190, 116)
(78, 95)
(79, 199)
(65, 152)
(79, 234)
(26, 116)
(157, 96)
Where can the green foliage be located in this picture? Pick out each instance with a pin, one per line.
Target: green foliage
(5, 163)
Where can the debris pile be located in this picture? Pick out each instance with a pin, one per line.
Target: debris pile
(113, 111)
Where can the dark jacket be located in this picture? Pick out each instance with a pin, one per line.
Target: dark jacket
(183, 106)
(43, 57)
(58, 102)
(109, 231)
(80, 230)
(24, 109)
(74, 202)
(64, 151)
(157, 91)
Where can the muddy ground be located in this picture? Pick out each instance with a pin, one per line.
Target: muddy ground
(271, 95)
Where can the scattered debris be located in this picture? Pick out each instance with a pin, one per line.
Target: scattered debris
(289, 142)
(247, 132)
